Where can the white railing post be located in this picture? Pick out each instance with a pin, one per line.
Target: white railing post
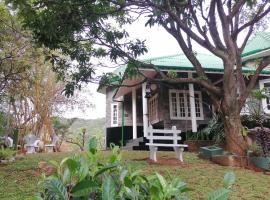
(174, 135)
(145, 110)
(150, 131)
(134, 113)
(192, 105)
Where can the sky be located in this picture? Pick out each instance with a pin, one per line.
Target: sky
(158, 42)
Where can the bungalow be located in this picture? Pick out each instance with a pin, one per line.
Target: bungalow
(130, 110)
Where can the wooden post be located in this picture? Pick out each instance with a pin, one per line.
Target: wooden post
(192, 105)
(145, 110)
(134, 113)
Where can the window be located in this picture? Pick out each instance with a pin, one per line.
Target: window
(153, 109)
(114, 114)
(265, 84)
(180, 104)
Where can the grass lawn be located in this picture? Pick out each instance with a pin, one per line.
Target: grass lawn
(19, 180)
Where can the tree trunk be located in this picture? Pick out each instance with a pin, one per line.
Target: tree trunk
(235, 141)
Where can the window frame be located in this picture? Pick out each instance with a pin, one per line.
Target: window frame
(155, 119)
(186, 96)
(264, 103)
(112, 114)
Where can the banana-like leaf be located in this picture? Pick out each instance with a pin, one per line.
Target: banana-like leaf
(229, 179)
(108, 189)
(220, 194)
(83, 188)
(54, 189)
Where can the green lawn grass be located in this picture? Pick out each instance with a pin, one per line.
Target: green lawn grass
(19, 180)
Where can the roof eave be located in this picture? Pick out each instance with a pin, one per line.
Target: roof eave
(257, 54)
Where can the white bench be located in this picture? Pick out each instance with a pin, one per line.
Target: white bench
(170, 135)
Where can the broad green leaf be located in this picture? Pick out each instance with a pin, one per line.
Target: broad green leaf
(106, 168)
(220, 194)
(70, 163)
(123, 174)
(92, 145)
(66, 176)
(83, 168)
(54, 189)
(108, 189)
(130, 193)
(229, 179)
(154, 193)
(161, 180)
(83, 188)
(128, 182)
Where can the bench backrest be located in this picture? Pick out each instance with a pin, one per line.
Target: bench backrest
(163, 134)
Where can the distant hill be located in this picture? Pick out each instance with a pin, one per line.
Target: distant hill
(93, 126)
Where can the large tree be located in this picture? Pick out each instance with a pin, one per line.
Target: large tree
(82, 29)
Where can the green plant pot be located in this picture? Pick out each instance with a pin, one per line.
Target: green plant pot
(211, 151)
(261, 162)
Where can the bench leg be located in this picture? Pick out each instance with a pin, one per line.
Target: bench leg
(30, 149)
(179, 153)
(153, 153)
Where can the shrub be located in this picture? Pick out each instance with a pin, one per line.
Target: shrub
(84, 177)
(6, 153)
(255, 149)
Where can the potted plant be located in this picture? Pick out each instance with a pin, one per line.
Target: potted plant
(259, 152)
(197, 140)
(212, 134)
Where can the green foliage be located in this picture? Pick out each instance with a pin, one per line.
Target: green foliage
(3, 123)
(254, 106)
(255, 150)
(55, 189)
(200, 135)
(172, 74)
(7, 153)
(214, 130)
(83, 176)
(83, 31)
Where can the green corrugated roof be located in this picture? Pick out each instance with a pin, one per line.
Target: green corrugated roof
(210, 63)
(260, 42)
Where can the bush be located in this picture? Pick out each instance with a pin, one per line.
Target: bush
(256, 150)
(84, 177)
(6, 154)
